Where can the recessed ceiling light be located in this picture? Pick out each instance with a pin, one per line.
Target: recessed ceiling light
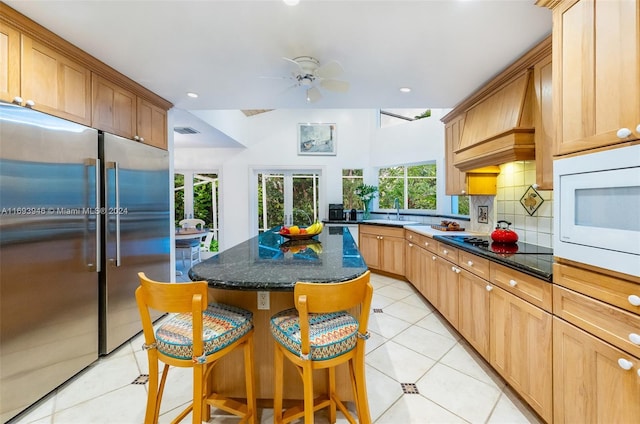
(405, 89)
(193, 95)
(291, 2)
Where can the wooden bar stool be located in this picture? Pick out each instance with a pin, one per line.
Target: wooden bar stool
(319, 334)
(197, 336)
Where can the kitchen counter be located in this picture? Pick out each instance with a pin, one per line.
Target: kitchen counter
(534, 260)
(270, 262)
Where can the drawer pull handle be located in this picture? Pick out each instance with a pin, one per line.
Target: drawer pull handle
(635, 338)
(426, 243)
(453, 268)
(470, 263)
(410, 245)
(445, 251)
(634, 300)
(410, 237)
(513, 283)
(624, 364)
(489, 288)
(623, 133)
(457, 270)
(433, 258)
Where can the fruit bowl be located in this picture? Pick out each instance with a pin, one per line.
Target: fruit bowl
(298, 236)
(296, 233)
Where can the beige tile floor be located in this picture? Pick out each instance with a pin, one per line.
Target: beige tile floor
(410, 343)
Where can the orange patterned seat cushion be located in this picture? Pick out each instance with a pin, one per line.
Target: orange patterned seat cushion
(222, 325)
(331, 334)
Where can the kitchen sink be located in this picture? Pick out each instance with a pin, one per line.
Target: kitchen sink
(398, 222)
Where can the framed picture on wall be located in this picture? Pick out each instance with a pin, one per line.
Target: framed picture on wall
(317, 139)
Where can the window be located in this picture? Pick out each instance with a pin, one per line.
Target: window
(460, 205)
(414, 186)
(351, 178)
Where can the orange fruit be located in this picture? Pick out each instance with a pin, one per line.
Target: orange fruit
(294, 230)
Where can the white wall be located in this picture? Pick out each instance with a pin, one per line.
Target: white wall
(271, 141)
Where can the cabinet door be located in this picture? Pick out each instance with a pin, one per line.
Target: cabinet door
(455, 180)
(520, 348)
(474, 311)
(447, 291)
(597, 72)
(429, 275)
(589, 384)
(152, 124)
(9, 63)
(392, 255)
(544, 134)
(56, 84)
(114, 108)
(412, 264)
(369, 249)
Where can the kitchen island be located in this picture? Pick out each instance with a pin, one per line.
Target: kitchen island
(259, 275)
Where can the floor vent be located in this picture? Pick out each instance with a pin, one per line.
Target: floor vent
(377, 310)
(409, 389)
(142, 379)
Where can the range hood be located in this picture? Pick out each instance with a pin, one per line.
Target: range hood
(499, 128)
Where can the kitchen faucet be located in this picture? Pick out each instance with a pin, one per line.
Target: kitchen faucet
(396, 204)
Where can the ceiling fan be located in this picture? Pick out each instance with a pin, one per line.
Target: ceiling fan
(310, 75)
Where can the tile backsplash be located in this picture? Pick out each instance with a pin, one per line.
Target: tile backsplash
(514, 180)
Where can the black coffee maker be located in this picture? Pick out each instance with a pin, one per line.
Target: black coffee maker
(336, 212)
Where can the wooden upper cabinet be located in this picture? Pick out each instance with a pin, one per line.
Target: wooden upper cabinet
(543, 121)
(151, 124)
(596, 67)
(455, 179)
(114, 108)
(55, 83)
(9, 63)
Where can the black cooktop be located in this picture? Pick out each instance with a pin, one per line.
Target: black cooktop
(529, 258)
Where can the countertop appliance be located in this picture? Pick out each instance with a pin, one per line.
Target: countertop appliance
(336, 212)
(529, 258)
(82, 213)
(596, 209)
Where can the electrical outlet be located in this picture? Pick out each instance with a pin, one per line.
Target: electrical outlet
(263, 300)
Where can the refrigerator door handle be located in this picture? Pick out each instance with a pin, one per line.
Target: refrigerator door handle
(116, 209)
(98, 210)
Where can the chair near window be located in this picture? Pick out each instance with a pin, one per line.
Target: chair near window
(196, 336)
(319, 334)
(190, 248)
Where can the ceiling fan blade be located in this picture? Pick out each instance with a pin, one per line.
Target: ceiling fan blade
(330, 70)
(335, 85)
(294, 62)
(313, 95)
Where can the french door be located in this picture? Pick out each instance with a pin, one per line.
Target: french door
(287, 198)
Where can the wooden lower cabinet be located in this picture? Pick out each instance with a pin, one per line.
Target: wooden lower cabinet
(590, 386)
(383, 248)
(447, 290)
(520, 339)
(474, 311)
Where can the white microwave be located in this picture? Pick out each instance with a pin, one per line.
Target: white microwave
(597, 209)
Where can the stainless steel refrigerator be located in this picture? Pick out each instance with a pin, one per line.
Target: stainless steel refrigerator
(81, 213)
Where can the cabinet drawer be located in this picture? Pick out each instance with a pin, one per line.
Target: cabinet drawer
(423, 241)
(448, 252)
(615, 291)
(382, 230)
(474, 263)
(534, 290)
(618, 327)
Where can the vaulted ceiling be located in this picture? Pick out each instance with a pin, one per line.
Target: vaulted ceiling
(231, 52)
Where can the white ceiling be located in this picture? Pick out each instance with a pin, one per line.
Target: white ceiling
(222, 49)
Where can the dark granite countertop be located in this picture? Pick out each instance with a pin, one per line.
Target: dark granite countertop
(539, 265)
(270, 262)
